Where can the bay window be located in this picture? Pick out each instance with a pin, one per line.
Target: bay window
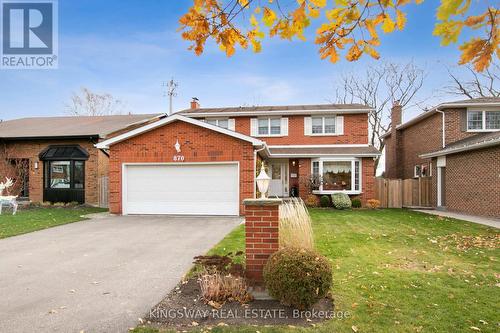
(337, 175)
(483, 120)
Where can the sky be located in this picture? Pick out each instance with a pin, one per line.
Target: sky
(128, 48)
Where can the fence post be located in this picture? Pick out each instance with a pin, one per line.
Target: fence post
(261, 235)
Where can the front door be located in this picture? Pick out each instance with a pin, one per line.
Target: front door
(278, 187)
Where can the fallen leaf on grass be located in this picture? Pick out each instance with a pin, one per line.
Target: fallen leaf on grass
(354, 329)
(474, 328)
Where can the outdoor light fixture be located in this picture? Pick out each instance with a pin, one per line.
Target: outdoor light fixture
(36, 165)
(293, 163)
(263, 182)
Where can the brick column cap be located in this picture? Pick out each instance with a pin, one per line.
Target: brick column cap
(262, 202)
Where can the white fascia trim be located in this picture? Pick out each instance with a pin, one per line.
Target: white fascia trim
(460, 149)
(105, 144)
(322, 155)
(320, 146)
(272, 113)
(441, 106)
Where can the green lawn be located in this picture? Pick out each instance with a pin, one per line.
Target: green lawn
(395, 271)
(28, 220)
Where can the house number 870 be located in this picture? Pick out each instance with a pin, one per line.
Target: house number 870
(178, 158)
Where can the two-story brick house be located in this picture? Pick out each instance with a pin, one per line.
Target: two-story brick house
(203, 160)
(457, 144)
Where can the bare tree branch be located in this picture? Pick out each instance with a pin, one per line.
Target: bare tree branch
(89, 103)
(379, 87)
(474, 84)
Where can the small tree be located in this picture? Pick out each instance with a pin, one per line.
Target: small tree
(89, 103)
(13, 168)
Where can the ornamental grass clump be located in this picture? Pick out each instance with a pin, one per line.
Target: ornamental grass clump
(295, 228)
(298, 277)
(341, 201)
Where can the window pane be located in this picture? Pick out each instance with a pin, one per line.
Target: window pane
(211, 121)
(79, 180)
(276, 126)
(276, 171)
(475, 120)
(315, 179)
(329, 124)
(337, 176)
(356, 176)
(223, 123)
(493, 120)
(317, 125)
(60, 174)
(263, 126)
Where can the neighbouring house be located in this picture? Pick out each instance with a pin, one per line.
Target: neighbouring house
(54, 158)
(204, 160)
(457, 145)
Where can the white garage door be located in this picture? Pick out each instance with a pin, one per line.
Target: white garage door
(192, 189)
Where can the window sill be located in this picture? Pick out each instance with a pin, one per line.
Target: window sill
(333, 192)
(327, 134)
(482, 130)
(269, 135)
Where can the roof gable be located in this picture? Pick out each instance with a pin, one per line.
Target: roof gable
(176, 117)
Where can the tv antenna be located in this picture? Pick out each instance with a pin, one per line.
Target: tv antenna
(170, 92)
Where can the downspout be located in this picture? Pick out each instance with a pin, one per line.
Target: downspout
(442, 127)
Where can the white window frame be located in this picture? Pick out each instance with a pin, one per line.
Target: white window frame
(483, 126)
(417, 174)
(217, 121)
(353, 176)
(269, 127)
(323, 133)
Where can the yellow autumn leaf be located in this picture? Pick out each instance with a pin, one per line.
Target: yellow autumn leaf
(253, 20)
(400, 19)
(313, 12)
(256, 45)
(448, 31)
(388, 24)
(268, 17)
(371, 51)
(318, 3)
(451, 7)
(243, 3)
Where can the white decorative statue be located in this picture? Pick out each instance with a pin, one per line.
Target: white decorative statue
(7, 199)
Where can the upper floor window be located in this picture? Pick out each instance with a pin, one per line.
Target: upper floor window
(483, 120)
(223, 122)
(323, 125)
(269, 126)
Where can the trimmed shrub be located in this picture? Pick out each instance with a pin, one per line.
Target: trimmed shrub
(312, 200)
(341, 201)
(298, 277)
(373, 203)
(324, 201)
(356, 203)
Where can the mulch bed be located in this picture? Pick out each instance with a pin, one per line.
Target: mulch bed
(183, 309)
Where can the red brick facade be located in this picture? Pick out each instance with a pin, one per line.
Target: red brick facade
(261, 236)
(95, 166)
(473, 182)
(472, 177)
(199, 145)
(355, 131)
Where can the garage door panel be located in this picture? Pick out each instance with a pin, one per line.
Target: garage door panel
(207, 189)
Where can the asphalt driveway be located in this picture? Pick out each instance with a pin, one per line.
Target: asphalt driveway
(99, 275)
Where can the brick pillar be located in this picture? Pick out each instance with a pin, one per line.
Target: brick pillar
(261, 235)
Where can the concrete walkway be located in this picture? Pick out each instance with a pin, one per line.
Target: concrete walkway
(475, 219)
(98, 275)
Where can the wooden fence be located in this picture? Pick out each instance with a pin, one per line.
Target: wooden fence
(398, 193)
(103, 192)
